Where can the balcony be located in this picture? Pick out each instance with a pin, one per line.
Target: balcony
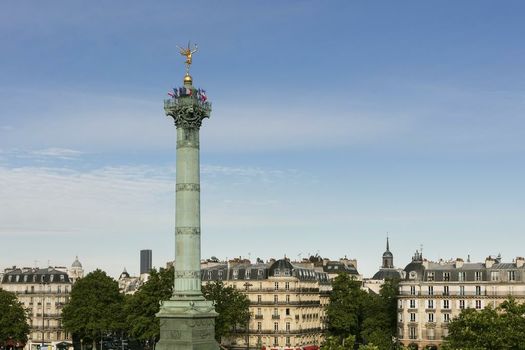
(258, 317)
(276, 317)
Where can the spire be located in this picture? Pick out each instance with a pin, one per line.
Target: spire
(387, 244)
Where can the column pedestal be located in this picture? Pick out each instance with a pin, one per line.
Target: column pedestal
(187, 325)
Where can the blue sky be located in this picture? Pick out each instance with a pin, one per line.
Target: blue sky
(333, 124)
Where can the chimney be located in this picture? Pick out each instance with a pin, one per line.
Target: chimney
(520, 261)
(489, 261)
(459, 263)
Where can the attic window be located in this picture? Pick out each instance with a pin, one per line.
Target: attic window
(25, 278)
(42, 278)
(62, 278)
(52, 278)
(287, 272)
(209, 275)
(248, 273)
(336, 267)
(17, 278)
(235, 274)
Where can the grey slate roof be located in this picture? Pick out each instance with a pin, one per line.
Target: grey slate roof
(47, 275)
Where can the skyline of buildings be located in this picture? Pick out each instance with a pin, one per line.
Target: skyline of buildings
(431, 294)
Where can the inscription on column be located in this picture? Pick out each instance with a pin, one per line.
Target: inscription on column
(189, 231)
(187, 274)
(187, 187)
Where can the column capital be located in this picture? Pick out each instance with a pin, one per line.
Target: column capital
(188, 107)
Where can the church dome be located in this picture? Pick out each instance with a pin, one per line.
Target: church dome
(76, 263)
(388, 254)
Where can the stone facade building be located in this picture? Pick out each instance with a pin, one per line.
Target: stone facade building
(43, 292)
(433, 293)
(287, 302)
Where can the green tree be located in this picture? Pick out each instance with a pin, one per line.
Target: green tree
(13, 318)
(346, 310)
(95, 307)
(141, 307)
(335, 343)
(488, 329)
(380, 323)
(232, 306)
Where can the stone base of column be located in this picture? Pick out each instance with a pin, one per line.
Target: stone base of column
(187, 325)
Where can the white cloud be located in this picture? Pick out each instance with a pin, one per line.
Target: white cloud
(56, 152)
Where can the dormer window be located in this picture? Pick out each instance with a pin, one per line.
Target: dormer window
(235, 274)
(62, 278)
(277, 272)
(209, 275)
(287, 272)
(248, 273)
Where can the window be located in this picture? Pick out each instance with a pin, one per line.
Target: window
(287, 298)
(462, 304)
(478, 276)
(478, 290)
(400, 317)
(412, 333)
(412, 290)
(431, 317)
(478, 304)
(276, 312)
(259, 326)
(430, 276)
(277, 272)
(276, 299)
(287, 312)
(430, 290)
(275, 341)
(287, 326)
(288, 341)
(235, 274)
(412, 317)
(461, 276)
(287, 286)
(512, 275)
(276, 286)
(220, 274)
(259, 298)
(209, 274)
(276, 326)
(494, 275)
(258, 311)
(260, 273)
(461, 290)
(431, 304)
(446, 304)
(446, 290)
(412, 304)
(446, 318)
(446, 276)
(248, 273)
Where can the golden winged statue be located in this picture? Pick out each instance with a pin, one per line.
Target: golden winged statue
(188, 52)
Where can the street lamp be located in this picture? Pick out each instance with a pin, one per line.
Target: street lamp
(247, 286)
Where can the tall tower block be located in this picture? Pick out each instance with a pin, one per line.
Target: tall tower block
(187, 320)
